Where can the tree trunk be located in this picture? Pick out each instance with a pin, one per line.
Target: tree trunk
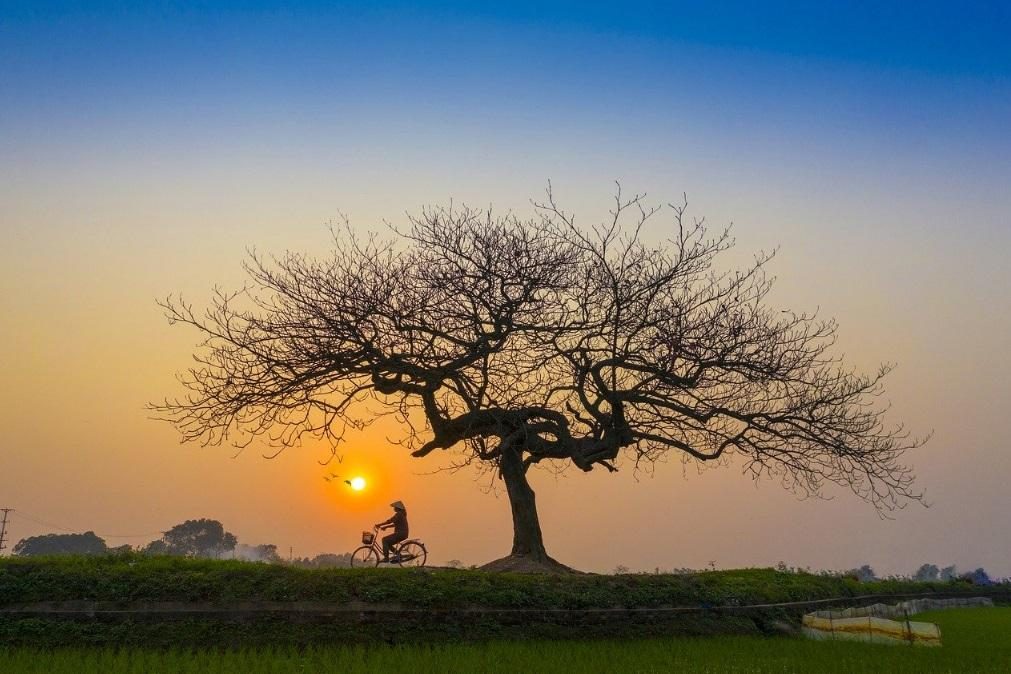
(527, 540)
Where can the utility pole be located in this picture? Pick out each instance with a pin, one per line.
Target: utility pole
(3, 528)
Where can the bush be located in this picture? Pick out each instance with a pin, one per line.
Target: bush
(135, 577)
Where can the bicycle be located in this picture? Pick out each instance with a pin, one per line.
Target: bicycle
(409, 553)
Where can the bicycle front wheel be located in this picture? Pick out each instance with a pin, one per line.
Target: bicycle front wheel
(413, 554)
(364, 557)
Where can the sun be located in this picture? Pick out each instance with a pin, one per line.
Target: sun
(357, 483)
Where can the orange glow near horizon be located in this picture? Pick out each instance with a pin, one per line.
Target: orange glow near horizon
(85, 348)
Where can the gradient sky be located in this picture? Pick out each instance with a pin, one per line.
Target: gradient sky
(142, 150)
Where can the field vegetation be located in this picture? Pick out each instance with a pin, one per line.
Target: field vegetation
(975, 640)
(133, 578)
(140, 601)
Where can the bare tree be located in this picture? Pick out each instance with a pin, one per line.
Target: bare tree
(518, 342)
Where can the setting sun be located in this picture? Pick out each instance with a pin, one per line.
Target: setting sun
(357, 483)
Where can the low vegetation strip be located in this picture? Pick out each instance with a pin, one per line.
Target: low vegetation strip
(975, 640)
(326, 609)
(164, 601)
(136, 578)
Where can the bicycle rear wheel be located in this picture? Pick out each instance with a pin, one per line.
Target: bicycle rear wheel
(412, 553)
(363, 557)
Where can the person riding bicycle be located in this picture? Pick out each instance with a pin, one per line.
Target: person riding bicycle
(399, 524)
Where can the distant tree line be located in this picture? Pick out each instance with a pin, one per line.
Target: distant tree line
(929, 573)
(864, 574)
(200, 538)
(207, 538)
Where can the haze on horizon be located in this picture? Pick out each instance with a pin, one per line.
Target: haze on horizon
(142, 151)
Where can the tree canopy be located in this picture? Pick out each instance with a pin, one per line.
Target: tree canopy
(61, 544)
(927, 573)
(195, 538)
(514, 342)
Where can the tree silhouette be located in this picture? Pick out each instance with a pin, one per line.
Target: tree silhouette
(977, 577)
(520, 342)
(865, 574)
(194, 538)
(61, 544)
(927, 573)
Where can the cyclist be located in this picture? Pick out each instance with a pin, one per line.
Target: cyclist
(399, 524)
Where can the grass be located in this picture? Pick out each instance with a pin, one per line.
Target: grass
(127, 581)
(138, 578)
(975, 640)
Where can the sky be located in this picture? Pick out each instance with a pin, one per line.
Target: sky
(143, 149)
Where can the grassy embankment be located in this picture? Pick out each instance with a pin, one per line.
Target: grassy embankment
(428, 606)
(138, 578)
(975, 640)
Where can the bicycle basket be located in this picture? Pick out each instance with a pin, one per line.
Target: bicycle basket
(368, 537)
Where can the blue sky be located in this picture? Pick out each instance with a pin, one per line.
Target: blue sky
(435, 56)
(851, 79)
(965, 38)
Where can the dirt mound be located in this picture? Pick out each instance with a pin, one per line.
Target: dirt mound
(524, 564)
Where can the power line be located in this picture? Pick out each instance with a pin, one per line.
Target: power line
(22, 514)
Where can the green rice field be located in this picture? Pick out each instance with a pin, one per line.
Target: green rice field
(975, 640)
